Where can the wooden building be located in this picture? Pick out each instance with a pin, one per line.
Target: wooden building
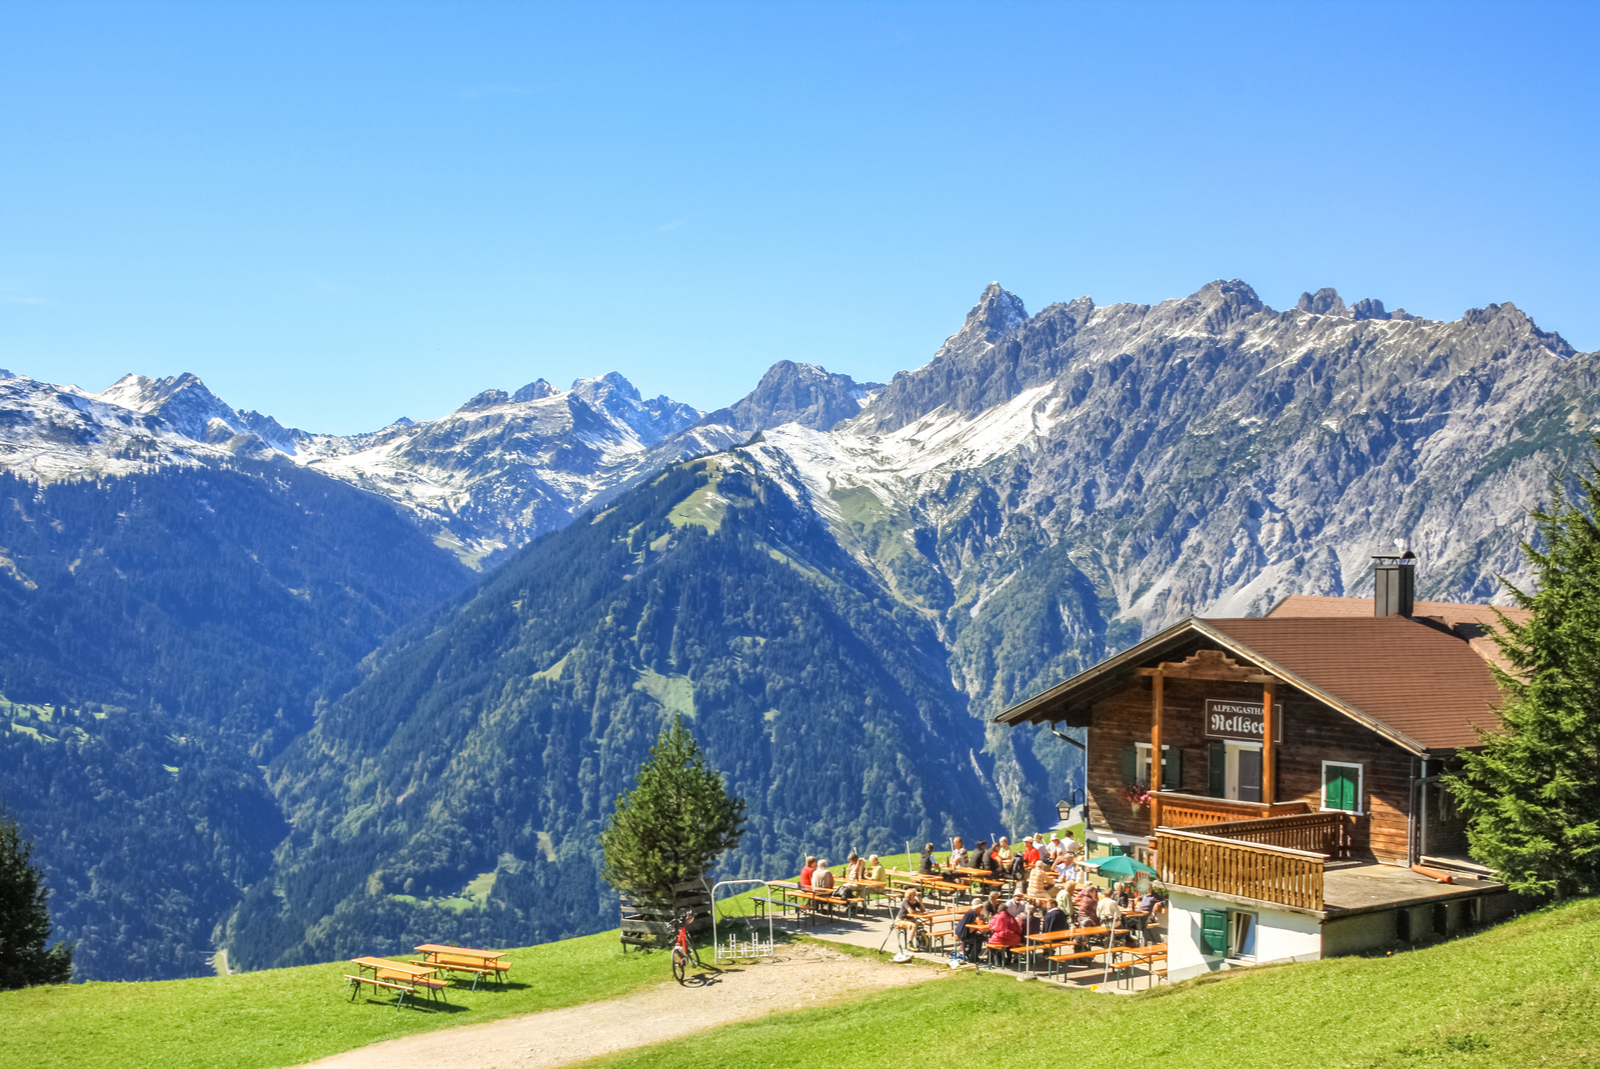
(1300, 756)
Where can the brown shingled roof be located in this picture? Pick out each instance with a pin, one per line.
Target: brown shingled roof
(1471, 622)
(1422, 681)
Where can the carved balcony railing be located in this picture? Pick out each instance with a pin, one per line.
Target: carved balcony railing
(1258, 871)
(1185, 810)
(1327, 833)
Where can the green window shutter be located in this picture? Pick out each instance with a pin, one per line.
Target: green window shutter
(1214, 931)
(1216, 768)
(1130, 764)
(1172, 770)
(1339, 787)
(1116, 850)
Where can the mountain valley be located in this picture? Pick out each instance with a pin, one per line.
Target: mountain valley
(448, 644)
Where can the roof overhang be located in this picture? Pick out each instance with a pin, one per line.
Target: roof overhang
(1070, 700)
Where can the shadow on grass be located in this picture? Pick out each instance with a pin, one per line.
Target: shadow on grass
(426, 1005)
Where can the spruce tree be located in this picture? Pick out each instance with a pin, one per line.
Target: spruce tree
(1532, 792)
(24, 917)
(673, 824)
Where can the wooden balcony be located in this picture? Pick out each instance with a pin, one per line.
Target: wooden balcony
(1185, 810)
(1326, 833)
(1238, 867)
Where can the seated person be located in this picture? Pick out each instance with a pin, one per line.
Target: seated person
(807, 872)
(910, 902)
(1030, 853)
(1123, 896)
(1064, 897)
(928, 866)
(1056, 920)
(855, 869)
(876, 870)
(822, 879)
(1003, 855)
(1052, 849)
(1088, 898)
(1005, 931)
(958, 854)
(1107, 911)
(971, 939)
(1041, 880)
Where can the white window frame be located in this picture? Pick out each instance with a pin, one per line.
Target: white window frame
(1141, 763)
(1361, 787)
(1236, 953)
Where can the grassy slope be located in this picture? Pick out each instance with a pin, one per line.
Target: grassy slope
(278, 1017)
(1522, 994)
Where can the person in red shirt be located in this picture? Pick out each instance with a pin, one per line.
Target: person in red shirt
(1030, 854)
(805, 873)
(1005, 931)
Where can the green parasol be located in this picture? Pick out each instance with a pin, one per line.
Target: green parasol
(1120, 866)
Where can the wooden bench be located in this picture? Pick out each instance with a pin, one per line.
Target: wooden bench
(480, 968)
(356, 982)
(1067, 959)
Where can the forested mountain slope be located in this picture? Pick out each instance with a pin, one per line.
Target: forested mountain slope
(162, 636)
(891, 566)
(1049, 489)
(458, 791)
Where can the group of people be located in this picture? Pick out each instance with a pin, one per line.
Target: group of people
(818, 877)
(1056, 856)
(995, 921)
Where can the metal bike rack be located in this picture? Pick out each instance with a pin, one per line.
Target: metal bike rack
(733, 950)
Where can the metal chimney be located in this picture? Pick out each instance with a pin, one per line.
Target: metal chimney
(1395, 587)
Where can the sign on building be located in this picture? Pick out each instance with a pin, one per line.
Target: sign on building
(1239, 720)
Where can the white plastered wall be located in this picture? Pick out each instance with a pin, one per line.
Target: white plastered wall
(1280, 936)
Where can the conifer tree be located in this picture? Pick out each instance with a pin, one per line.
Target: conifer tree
(24, 917)
(676, 820)
(1532, 793)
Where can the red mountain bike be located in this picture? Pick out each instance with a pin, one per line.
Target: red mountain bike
(683, 950)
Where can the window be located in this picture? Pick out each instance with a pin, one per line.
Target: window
(1171, 766)
(1241, 935)
(1341, 786)
(1228, 933)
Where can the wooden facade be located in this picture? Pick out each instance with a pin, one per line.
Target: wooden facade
(1312, 734)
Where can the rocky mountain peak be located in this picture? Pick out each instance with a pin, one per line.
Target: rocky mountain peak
(486, 399)
(620, 400)
(1324, 302)
(4, 374)
(597, 390)
(997, 313)
(806, 394)
(536, 390)
(182, 401)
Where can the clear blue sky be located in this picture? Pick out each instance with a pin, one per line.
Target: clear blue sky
(339, 213)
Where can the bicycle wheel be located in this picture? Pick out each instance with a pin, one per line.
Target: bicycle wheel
(679, 961)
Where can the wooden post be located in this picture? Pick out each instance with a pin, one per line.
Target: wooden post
(1155, 751)
(1269, 759)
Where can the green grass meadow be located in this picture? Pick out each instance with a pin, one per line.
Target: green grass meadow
(1522, 994)
(279, 1017)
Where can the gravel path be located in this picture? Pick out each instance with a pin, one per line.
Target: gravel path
(803, 975)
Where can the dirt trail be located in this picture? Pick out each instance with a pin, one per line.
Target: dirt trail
(803, 975)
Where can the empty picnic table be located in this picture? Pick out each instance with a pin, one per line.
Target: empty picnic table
(395, 976)
(479, 963)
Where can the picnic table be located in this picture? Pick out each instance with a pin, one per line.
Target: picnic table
(480, 963)
(397, 976)
(1137, 956)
